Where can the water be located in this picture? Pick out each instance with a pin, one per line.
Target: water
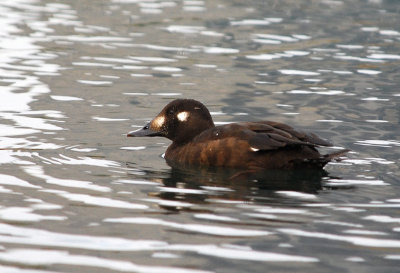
(78, 196)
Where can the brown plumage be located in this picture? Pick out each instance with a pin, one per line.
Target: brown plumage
(246, 145)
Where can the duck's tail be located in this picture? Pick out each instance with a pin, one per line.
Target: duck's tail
(325, 159)
(336, 155)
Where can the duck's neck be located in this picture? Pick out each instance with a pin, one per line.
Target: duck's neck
(190, 132)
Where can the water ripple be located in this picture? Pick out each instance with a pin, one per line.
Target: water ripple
(359, 241)
(37, 171)
(197, 228)
(39, 237)
(37, 257)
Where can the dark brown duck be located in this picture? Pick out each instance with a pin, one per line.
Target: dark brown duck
(245, 145)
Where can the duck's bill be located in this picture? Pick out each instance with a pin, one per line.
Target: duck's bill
(143, 132)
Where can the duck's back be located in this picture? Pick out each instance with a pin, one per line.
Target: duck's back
(251, 145)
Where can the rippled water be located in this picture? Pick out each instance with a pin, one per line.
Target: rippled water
(78, 196)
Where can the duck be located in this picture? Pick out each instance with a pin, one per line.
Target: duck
(252, 146)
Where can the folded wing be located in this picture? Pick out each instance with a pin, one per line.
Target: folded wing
(269, 135)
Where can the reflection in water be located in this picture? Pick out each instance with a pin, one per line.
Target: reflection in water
(246, 186)
(189, 186)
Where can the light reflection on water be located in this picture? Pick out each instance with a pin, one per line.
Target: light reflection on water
(78, 196)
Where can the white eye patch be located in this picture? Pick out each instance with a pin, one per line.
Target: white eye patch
(183, 116)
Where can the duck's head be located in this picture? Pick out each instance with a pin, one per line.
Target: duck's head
(180, 121)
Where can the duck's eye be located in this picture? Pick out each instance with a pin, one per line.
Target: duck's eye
(171, 111)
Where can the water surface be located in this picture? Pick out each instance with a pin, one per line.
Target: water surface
(78, 196)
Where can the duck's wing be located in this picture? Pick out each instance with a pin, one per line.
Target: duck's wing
(270, 135)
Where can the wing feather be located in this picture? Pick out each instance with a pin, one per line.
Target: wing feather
(264, 135)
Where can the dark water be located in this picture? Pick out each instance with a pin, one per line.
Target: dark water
(78, 196)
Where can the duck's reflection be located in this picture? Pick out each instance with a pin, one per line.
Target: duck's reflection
(199, 185)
